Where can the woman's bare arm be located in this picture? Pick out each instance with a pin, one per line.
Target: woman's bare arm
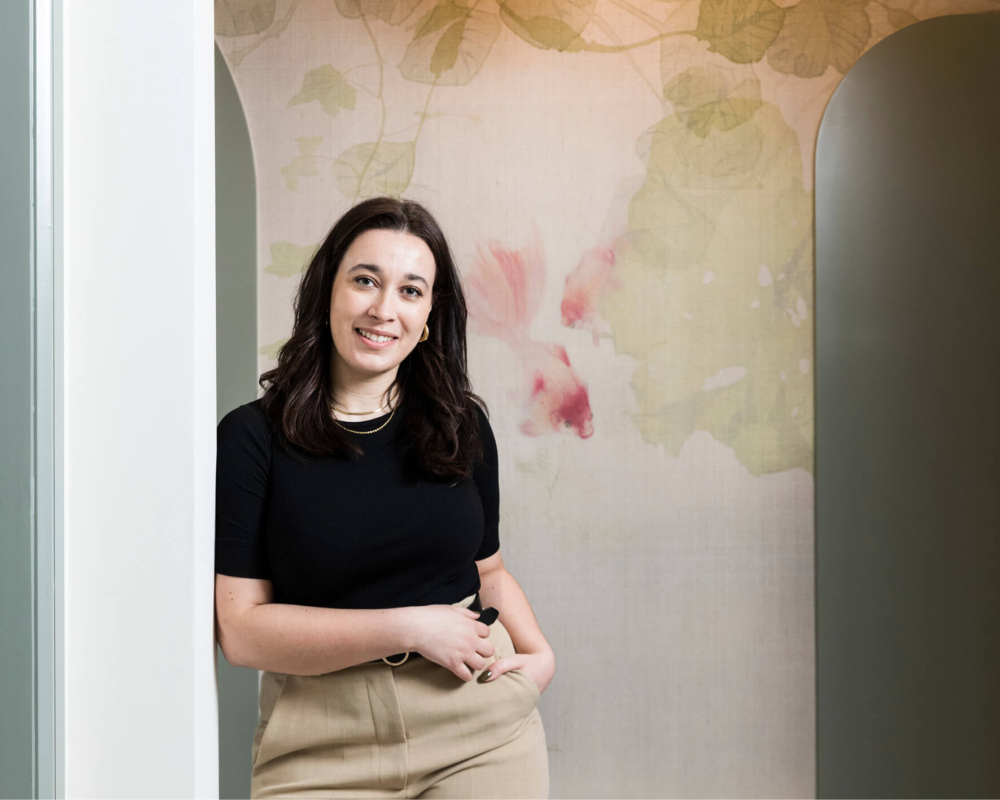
(255, 632)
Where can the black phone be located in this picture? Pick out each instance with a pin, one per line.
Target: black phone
(489, 615)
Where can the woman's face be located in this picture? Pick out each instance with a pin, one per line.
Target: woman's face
(383, 285)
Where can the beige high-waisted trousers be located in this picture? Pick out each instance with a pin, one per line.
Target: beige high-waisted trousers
(407, 731)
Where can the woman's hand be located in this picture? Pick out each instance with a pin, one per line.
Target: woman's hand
(540, 667)
(451, 636)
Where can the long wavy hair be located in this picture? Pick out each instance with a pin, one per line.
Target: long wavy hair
(440, 423)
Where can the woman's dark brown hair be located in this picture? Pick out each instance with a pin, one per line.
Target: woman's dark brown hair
(440, 423)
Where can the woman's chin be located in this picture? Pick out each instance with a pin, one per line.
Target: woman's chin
(366, 363)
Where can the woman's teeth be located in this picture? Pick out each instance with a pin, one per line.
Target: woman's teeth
(373, 337)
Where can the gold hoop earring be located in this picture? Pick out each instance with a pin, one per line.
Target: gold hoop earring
(427, 333)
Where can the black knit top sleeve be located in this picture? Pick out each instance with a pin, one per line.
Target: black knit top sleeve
(343, 533)
(485, 473)
(242, 470)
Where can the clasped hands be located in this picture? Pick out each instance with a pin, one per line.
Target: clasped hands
(453, 637)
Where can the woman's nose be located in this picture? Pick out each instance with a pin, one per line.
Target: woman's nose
(383, 306)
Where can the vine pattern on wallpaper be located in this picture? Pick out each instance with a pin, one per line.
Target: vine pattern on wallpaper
(708, 288)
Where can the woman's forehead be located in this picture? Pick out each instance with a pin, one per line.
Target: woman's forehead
(404, 255)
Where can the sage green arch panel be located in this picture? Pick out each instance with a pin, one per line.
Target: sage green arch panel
(907, 439)
(236, 338)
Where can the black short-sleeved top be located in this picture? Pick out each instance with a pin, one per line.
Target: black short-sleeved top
(341, 533)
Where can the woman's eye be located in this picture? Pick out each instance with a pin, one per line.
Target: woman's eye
(416, 292)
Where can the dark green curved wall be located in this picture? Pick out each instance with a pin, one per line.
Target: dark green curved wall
(907, 438)
(17, 564)
(236, 342)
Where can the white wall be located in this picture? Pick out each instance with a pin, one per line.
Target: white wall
(138, 402)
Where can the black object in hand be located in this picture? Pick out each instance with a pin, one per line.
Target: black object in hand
(489, 615)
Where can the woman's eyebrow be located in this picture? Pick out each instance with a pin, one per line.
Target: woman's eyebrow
(377, 269)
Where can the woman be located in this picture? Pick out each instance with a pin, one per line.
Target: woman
(357, 509)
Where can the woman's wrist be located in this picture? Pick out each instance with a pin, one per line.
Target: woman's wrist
(406, 634)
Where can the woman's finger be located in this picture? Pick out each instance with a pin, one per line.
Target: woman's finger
(496, 669)
(491, 673)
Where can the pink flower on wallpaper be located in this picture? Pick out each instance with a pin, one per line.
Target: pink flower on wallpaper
(504, 288)
(593, 278)
(557, 400)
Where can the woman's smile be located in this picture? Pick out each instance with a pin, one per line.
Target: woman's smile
(370, 339)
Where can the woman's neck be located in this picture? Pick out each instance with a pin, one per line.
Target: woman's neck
(360, 402)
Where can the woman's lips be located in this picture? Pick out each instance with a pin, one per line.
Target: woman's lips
(374, 345)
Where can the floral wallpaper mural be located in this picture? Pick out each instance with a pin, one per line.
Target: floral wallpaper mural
(627, 186)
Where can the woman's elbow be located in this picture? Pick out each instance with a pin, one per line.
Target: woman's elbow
(227, 643)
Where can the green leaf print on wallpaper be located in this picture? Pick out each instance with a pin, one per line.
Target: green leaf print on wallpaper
(549, 24)
(818, 33)
(242, 17)
(900, 18)
(740, 30)
(271, 350)
(288, 260)
(729, 291)
(304, 165)
(394, 12)
(327, 87)
(374, 168)
(450, 44)
(689, 179)
(713, 96)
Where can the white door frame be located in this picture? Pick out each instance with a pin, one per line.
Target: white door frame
(123, 270)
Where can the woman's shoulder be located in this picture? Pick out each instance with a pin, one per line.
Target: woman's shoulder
(482, 416)
(246, 421)
(486, 434)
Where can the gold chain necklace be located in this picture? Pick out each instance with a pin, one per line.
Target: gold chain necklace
(376, 430)
(358, 413)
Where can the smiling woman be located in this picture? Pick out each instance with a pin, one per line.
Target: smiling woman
(378, 304)
(357, 540)
(384, 270)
